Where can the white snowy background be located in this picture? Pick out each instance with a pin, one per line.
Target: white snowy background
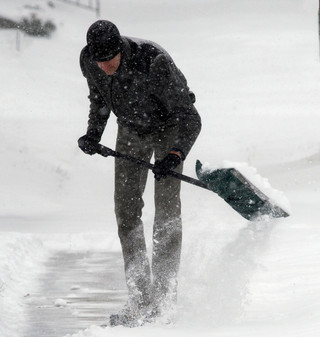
(254, 66)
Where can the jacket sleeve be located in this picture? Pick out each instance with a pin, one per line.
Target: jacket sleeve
(172, 90)
(99, 112)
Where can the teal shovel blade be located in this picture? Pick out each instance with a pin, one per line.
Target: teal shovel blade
(239, 193)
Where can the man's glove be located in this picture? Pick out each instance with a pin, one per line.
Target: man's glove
(162, 167)
(88, 145)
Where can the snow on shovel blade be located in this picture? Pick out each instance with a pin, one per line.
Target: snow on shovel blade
(239, 193)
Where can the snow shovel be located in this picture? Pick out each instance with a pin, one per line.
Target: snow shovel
(229, 184)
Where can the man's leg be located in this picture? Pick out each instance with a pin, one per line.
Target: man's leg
(167, 235)
(130, 181)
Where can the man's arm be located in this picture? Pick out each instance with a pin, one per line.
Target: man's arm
(173, 92)
(98, 113)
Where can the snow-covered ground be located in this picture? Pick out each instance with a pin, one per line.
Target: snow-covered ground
(254, 65)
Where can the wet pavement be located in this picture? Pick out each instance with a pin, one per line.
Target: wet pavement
(76, 290)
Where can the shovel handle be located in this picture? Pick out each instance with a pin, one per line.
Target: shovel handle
(106, 152)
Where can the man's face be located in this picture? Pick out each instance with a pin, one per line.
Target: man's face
(111, 66)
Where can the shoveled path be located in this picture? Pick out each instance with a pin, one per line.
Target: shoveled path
(76, 290)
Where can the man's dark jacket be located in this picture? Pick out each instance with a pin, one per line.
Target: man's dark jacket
(148, 94)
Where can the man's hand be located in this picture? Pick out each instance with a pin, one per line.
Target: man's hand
(88, 144)
(162, 167)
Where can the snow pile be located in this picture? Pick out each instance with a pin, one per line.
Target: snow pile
(60, 302)
(21, 259)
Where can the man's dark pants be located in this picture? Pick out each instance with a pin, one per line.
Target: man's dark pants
(130, 182)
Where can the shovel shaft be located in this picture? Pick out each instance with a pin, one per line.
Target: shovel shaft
(106, 152)
(229, 184)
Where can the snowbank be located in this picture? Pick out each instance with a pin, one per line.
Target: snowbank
(21, 260)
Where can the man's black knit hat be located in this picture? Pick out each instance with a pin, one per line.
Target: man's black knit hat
(104, 40)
